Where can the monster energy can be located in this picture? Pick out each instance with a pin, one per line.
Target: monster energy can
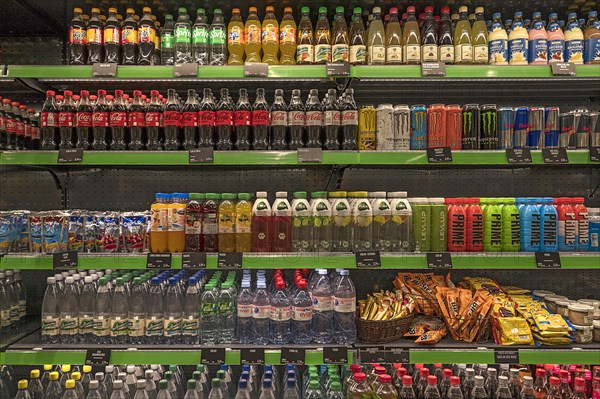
(418, 127)
(367, 125)
(488, 139)
(385, 127)
(402, 127)
(470, 116)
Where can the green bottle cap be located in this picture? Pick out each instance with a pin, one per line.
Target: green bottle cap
(218, 11)
(220, 374)
(162, 384)
(305, 10)
(168, 17)
(319, 194)
(335, 386)
(322, 10)
(357, 10)
(200, 11)
(215, 383)
(194, 196)
(212, 196)
(339, 10)
(191, 384)
(228, 196)
(300, 194)
(182, 10)
(244, 196)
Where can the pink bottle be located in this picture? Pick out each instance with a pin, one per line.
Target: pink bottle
(474, 225)
(538, 41)
(583, 233)
(457, 225)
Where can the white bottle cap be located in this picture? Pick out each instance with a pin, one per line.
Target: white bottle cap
(70, 280)
(281, 194)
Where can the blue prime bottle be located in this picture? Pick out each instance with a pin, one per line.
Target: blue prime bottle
(531, 227)
(549, 218)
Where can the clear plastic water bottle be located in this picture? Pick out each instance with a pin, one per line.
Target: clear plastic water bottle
(314, 391)
(23, 392)
(86, 310)
(209, 317)
(260, 314)
(76, 376)
(99, 376)
(137, 312)
(302, 315)
(50, 311)
(201, 389)
(335, 391)
(301, 217)
(242, 391)
(118, 390)
(173, 313)
(70, 392)
(154, 312)
(323, 305)
(69, 312)
(131, 379)
(281, 314)
(225, 392)
(215, 390)
(150, 384)
(244, 328)
(267, 392)
(171, 385)
(94, 392)
(191, 392)
(345, 309)
(35, 387)
(21, 295)
(54, 389)
(119, 315)
(291, 390)
(123, 378)
(226, 308)
(163, 392)
(191, 313)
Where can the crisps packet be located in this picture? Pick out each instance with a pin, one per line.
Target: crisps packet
(89, 233)
(36, 228)
(514, 331)
(107, 232)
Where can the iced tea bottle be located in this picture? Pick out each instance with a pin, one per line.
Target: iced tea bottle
(160, 223)
(463, 48)
(340, 47)
(227, 220)
(235, 38)
(322, 38)
(252, 36)
(243, 223)
(411, 38)
(194, 241)
(479, 38)
(376, 39)
(270, 38)
(358, 41)
(176, 234)
(445, 42)
(287, 38)
(393, 39)
(360, 388)
(305, 52)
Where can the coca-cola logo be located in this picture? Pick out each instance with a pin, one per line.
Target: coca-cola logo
(135, 119)
(278, 118)
(153, 119)
(65, 119)
(206, 118)
(171, 118)
(333, 118)
(84, 119)
(189, 119)
(11, 126)
(224, 118)
(260, 117)
(297, 118)
(99, 119)
(20, 129)
(241, 118)
(350, 117)
(118, 118)
(314, 118)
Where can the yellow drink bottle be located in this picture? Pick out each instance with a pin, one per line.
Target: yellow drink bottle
(243, 223)
(235, 38)
(253, 37)
(287, 38)
(270, 38)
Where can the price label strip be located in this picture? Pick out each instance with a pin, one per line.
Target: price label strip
(158, 261)
(64, 260)
(294, 356)
(335, 355)
(213, 356)
(252, 355)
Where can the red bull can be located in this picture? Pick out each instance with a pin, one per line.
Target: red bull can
(454, 125)
(521, 127)
(535, 125)
(506, 124)
(595, 133)
(418, 127)
(566, 139)
(401, 128)
(470, 118)
(436, 126)
(584, 128)
(551, 128)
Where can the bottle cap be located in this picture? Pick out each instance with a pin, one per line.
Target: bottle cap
(432, 380)
(407, 380)
(357, 10)
(322, 10)
(70, 384)
(305, 10)
(339, 10)
(359, 377)
(456, 380)
(479, 10)
(462, 9)
(76, 376)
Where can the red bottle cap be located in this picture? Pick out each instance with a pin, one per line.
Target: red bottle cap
(424, 372)
(137, 93)
(118, 93)
(554, 381)
(401, 372)
(410, 9)
(154, 93)
(437, 365)
(360, 377)
(429, 9)
(447, 373)
(385, 378)
(393, 10)
(455, 380)
(355, 368)
(68, 93)
(564, 373)
(50, 93)
(380, 370)
(101, 92)
(540, 372)
(84, 93)
(407, 380)
(432, 380)
(579, 381)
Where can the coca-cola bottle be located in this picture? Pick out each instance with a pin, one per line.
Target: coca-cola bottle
(20, 125)
(332, 122)
(242, 120)
(10, 125)
(349, 113)
(2, 125)
(118, 121)
(26, 127)
(136, 120)
(153, 122)
(279, 122)
(83, 121)
(112, 37)
(48, 121)
(206, 120)
(172, 121)
(34, 128)
(95, 38)
(189, 120)
(224, 122)
(260, 122)
(66, 116)
(296, 121)
(100, 118)
(314, 120)
(77, 39)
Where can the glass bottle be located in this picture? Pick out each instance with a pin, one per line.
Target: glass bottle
(479, 38)
(445, 41)
(340, 48)
(429, 37)
(376, 39)
(411, 38)
(463, 48)
(527, 391)
(358, 41)
(322, 38)
(393, 39)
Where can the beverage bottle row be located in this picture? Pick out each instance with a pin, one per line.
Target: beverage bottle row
(122, 122)
(13, 302)
(19, 126)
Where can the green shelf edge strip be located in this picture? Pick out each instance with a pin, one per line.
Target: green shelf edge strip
(538, 356)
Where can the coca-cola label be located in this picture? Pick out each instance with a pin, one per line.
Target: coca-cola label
(118, 118)
(241, 118)
(350, 117)
(279, 118)
(84, 119)
(206, 118)
(333, 118)
(297, 118)
(65, 119)
(11, 126)
(314, 118)
(48, 119)
(135, 119)
(20, 128)
(2, 124)
(189, 119)
(153, 119)
(27, 129)
(260, 117)
(171, 118)
(224, 117)
(35, 133)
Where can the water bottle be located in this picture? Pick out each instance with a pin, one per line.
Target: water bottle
(99, 376)
(302, 315)
(69, 312)
(345, 309)
(215, 391)
(226, 309)
(225, 392)
(191, 312)
(21, 296)
(137, 312)
(260, 314)
(244, 328)
(119, 315)
(242, 392)
(86, 310)
(23, 392)
(267, 391)
(209, 319)
(50, 311)
(70, 391)
(281, 314)
(171, 386)
(150, 384)
(191, 392)
(154, 312)
(35, 388)
(94, 392)
(54, 389)
(76, 376)
(173, 312)
(123, 377)
(291, 391)
(323, 305)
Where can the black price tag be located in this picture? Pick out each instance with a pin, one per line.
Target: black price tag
(256, 69)
(104, 70)
(372, 355)
(518, 155)
(64, 260)
(433, 69)
(510, 356)
(293, 356)
(202, 155)
(555, 155)
(193, 260)
(252, 355)
(158, 261)
(547, 260)
(185, 70)
(595, 154)
(70, 156)
(439, 260)
(230, 260)
(212, 356)
(443, 154)
(338, 69)
(310, 155)
(397, 355)
(368, 259)
(98, 357)
(563, 69)
(335, 355)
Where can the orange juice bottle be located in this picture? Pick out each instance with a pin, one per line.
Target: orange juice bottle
(243, 223)
(235, 38)
(226, 222)
(160, 223)
(270, 38)
(176, 233)
(253, 36)
(287, 38)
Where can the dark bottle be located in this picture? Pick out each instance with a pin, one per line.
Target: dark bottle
(95, 38)
(242, 119)
(206, 120)
(146, 36)
(200, 38)
(2, 125)
(10, 125)
(153, 118)
(429, 37)
(136, 120)
(77, 39)
(314, 120)
(112, 37)
(260, 122)
(19, 126)
(189, 120)
(129, 38)
(332, 121)
(48, 121)
(100, 117)
(83, 121)
(118, 121)
(26, 127)
(66, 115)
(349, 114)
(445, 38)
(157, 54)
(296, 121)
(279, 122)
(224, 122)
(167, 42)
(172, 121)
(193, 223)
(35, 129)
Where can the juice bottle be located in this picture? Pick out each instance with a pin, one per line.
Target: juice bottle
(401, 224)
(474, 226)
(393, 39)
(411, 38)
(362, 220)
(591, 44)
(538, 41)
(194, 241)
(463, 48)
(321, 217)
(235, 38)
(340, 48)
(457, 225)
(358, 41)
(287, 38)
(305, 52)
(511, 235)
(322, 38)
(176, 234)
(281, 224)
(376, 39)
(497, 42)
(252, 41)
(445, 42)
(226, 222)
(573, 40)
(479, 38)
(421, 223)
(360, 388)
(341, 235)
(270, 38)
(382, 215)
(210, 224)
(301, 226)
(243, 223)
(261, 223)
(518, 41)
(556, 39)
(160, 223)
(429, 49)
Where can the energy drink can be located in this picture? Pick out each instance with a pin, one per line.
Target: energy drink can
(566, 139)
(506, 124)
(470, 117)
(488, 138)
(402, 127)
(418, 127)
(582, 134)
(551, 128)
(521, 127)
(436, 126)
(367, 125)
(595, 133)
(385, 127)
(454, 127)
(535, 125)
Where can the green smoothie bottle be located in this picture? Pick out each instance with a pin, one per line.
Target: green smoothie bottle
(511, 234)
(421, 223)
(438, 225)
(492, 225)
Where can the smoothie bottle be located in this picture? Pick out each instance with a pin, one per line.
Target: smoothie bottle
(401, 223)
(194, 241)
(549, 220)
(518, 41)
(457, 225)
(556, 39)
(583, 232)
(538, 41)
(227, 222)
(321, 218)
(531, 227)
(591, 35)
(438, 222)
(421, 223)
(261, 223)
(362, 222)
(210, 224)
(573, 40)
(243, 223)
(301, 226)
(497, 42)
(160, 223)
(382, 216)
(511, 236)
(492, 225)
(474, 234)
(176, 234)
(567, 224)
(281, 223)
(341, 235)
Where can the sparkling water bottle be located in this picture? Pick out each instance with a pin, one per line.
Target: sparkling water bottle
(173, 312)
(50, 311)
(119, 315)
(154, 312)
(209, 318)
(69, 312)
(226, 309)
(191, 313)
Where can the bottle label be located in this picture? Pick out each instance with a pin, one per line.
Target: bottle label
(305, 53)
(260, 117)
(20, 129)
(270, 33)
(11, 126)
(574, 51)
(226, 223)
(112, 35)
(244, 310)
(340, 53)
(118, 119)
(261, 312)
(518, 51)
(393, 54)
(297, 118)
(210, 225)
(101, 326)
(189, 119)
(429, 52)
(168, 40)
(322, 53)
(153, 119)
(135, 119)
(160, 220)
(377, 54)
(412, 53)
(300, 313)
(176, 219)
(235, 36)
(206, 118)
(224, 118)
(69, 325)
(86, 325)
(287, 35)
(48, 119)
(253, 35)
(556, 50)
(242, 118)
(538, 50)
(358, 54)
(243, 224)
(350, 117)
(446, 54)
(190, 326)
(171, 118)
(278, 118)
(94, 35)
(480, 53)
(136, 326)
(77, 36)
(344, 305)
(322, 303)
(217, 35)
(129, 36)
(208, 309)
(498, 51)
(332, 118)
(146, 34)
(157, 42)
(281, 313)
(193, 223)
(119, 326)
(100, 119)
(154, 327)
(183, 34)
(172, 327)
(463, 53)
(35, 132)
(592, 50)
(84, 119)
(50, 325)
(65, 119)
(14, 313)
(314, 118)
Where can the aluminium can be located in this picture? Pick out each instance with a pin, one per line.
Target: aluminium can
(506, 124)
(454, 127)
(521, 127)
(367, 128)
(488, 136)
(385, 127)
(470, 116)
(551, 127)
(418, 127)
(402, 127)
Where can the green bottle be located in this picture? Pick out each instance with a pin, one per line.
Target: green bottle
(492, 225)
(421, 223)
(439, 225)
(511, 235)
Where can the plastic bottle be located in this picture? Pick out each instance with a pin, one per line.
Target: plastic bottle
(468, 383)
(235, 38)
(574, 39)
(549, 223)
(193, 223)
(511, 235)
(227, 219)
(94, 38)
(154, 323)
(210, 226)
(527, 391)
(217, 39)
(260, 314)
(261, 223)
(411, 38)
(567, 224)
(226, 306)
(77, 39)
(429, 37)
(361, 389)
(538, 41)
(492, 226)
(160, 224)
(287, 38)
(140, 390)
(479, 38)
(478, 391)
(87, 300)
(35, 387)
(146, 37)
(243, 223)
(76, 376)
(302, 315)
(242, 120)
(23, 392)
(362, 220)
(163, 392)
(463, 46)
(591, 45)
(321, 221)
(167, 41)
(457, 226)
(50, 312)
(172, 386)
(323, 309)
(454, 392)
(119, 315)
(340, 41)
(497, 42)
(301, 223)
(281, 223)
(439, 223)
(556, 39)
(173, 312)
(345, 308)
(70, 392)
(54, 389)
(200, 49)
(69, 313)
(260, 121)
(382, 216)
(270, 37)
(209, 316)
(518, 41)
(176, 231)
(322, 38)
(94, 391)
(137, 312)
(244, 328)
(290, 391)
(280, 315)
(582, 217)
(341, 234)
(305, 42)
(376, 39)
(358, 39)
(183, 37)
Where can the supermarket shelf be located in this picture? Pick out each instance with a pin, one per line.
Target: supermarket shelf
(521, 261)
(224, 158)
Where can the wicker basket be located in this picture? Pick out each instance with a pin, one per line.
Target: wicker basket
(381, 332)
